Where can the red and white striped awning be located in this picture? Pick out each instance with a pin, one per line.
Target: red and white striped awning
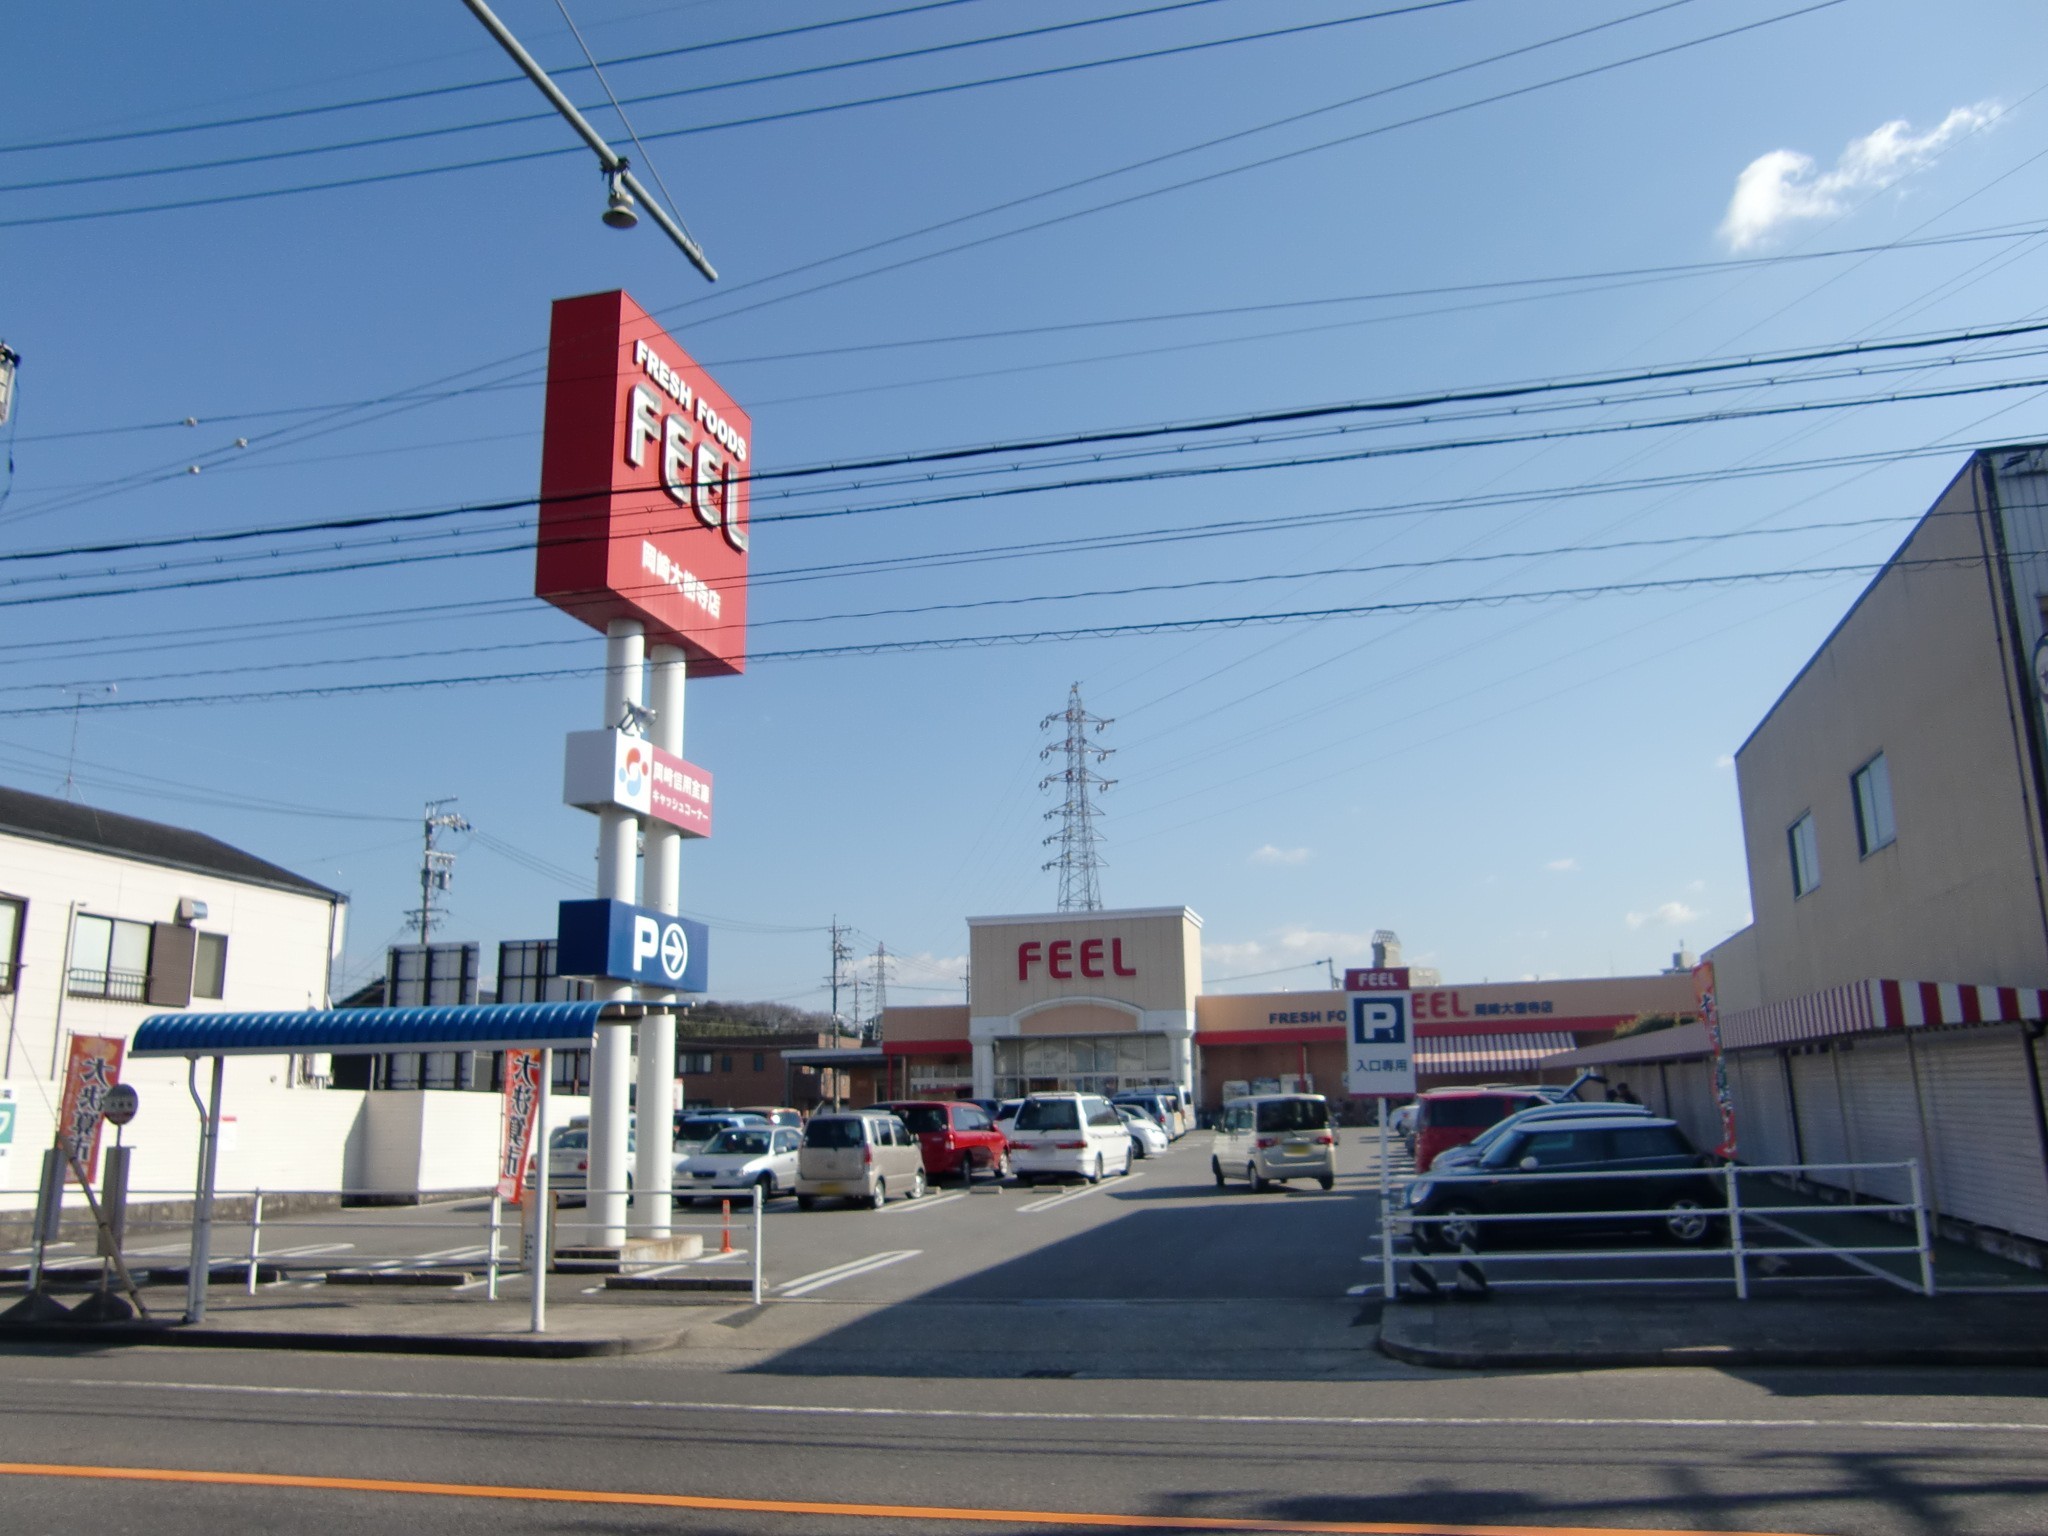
(1444, 1055)
(1865, 1006)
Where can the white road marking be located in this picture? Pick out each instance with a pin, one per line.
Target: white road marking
(803, 1285)
(924, 1203)
(1052, 1416)
(305, 1250)
(1085, 1190)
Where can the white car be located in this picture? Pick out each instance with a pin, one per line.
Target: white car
(1077, 1134)
(736, 1160)
(1148, 1136)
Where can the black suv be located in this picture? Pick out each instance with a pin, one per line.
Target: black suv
(1682, 1199)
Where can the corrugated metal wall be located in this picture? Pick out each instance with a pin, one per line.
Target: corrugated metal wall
(1884, 1118)
(1763, 1109)
(1692, 1102)
(1984, 1142)
(1820, 1108)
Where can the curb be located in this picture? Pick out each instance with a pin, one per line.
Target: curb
(1734, 1356)
(506, 1346)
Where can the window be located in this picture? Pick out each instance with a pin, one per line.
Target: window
(725, 1063)
(842, 1131)
(1805, 848)
(1049, 1115)
(1294, 1115)
(695, 1063)
(760, 1061)
(11, 914)
(1872, 786)
(210, 966)
(109, 958)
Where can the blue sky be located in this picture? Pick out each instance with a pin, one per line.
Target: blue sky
(1519, 787)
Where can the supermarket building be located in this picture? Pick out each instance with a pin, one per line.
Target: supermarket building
(1108, 1000)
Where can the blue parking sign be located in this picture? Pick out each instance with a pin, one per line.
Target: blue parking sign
(1380, 1049)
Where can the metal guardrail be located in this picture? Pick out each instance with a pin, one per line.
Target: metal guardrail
(1734, 1212)
(488, 1247)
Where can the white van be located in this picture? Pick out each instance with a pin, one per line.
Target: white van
(1269, 1138)
(1068, 1133)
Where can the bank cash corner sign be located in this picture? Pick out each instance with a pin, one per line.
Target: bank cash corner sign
(623, 942)
(1379, 1043)
(617, 769)
(643, 481)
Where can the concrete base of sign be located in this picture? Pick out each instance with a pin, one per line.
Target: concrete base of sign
(635, 1252)
(38, 1306)
(102, 1307)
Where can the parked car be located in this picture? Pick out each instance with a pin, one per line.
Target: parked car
(1270, 1138)
(1475, 1149)
(1006, 1114)
(1148, 1136)
(956, 1137)
(735, 1160)
(862, 1155)
(1068, 1133)
(789, 1119)
(1402, 1121)
(1162, 1107)
(693, 1130)
(1450, 1117)
(1681, 1195)
(569, 1161)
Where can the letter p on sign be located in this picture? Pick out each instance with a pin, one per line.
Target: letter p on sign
(646, 940)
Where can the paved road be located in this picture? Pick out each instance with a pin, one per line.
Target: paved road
(901, 1398)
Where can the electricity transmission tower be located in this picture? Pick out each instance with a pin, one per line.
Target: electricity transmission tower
(437, 864)
(1078, 861)
(881, 1003)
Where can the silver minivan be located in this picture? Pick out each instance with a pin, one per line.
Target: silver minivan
(1269, 1138)
(858, 1155)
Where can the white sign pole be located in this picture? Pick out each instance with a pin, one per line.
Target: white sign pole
(611, 1065)
(663, 891)
(538, 1237)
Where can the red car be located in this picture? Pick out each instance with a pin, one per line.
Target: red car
(1450, 1117)
(958, 1138)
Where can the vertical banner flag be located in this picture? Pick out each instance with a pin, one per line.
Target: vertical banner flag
(522, 1109)
(95, 1066)
(1379, 1052)
(1709, 1005)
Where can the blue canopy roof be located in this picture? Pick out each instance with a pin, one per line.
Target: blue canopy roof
(468, 1026)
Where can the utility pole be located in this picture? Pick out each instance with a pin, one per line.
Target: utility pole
(437, 864)
(1078, 861)
(841, 953)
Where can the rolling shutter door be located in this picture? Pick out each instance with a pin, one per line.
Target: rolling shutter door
(1820, 1115)
(1692, 1103)
(1763, 1115)
(1983, 1140)
(1884, 1118)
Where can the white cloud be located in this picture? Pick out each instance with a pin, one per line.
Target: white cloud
(1267, 853)
(1669, 915)
(1784, 186)
(1562, 866)
(1286, 947)
(1725, 760)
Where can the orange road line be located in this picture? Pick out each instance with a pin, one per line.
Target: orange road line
(816, 1506)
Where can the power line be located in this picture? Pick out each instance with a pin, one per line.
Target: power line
(1051, 636)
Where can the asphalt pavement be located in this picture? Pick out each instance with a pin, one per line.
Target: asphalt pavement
(1151, 1353)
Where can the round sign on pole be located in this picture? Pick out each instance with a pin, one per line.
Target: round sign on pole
(120, 1104)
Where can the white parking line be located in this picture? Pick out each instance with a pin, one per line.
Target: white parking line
(924, 1204)
(1083, 1192)
(803, 1285)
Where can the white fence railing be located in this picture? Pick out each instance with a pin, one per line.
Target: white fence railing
(1703, 1228)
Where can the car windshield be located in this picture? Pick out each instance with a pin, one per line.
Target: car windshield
(925, 1119)
(1049, 1115)
(698, 1130)
(752, 1143)
(1467, 1110)
(570, 1141)
(842, 1132)
(1294, 1115)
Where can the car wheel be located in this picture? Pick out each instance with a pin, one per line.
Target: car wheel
(1095, 1175)
(806, 1202)
(1255, 1179)
(1686, 1221)
(1328, 1181)
(1138, 1149)
(967, 1170)
(768, 1188)
(1217, 1169)
(880, 1197)
(916, 1186)
(1461, 1230)
(1002, 1168)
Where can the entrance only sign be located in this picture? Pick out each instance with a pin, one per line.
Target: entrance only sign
(1379, 1050)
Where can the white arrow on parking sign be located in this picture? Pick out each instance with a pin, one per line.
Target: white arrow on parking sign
(675, 951)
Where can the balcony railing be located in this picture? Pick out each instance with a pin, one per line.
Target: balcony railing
(115, 986)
